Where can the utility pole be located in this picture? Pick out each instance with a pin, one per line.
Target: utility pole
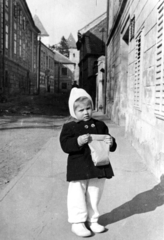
(39, 56)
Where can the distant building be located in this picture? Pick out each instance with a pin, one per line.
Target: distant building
(64, 73)
(74, 56)
(18, 48)
(46, 69)
(44, 36)
(57, 72)
(91, 44)
(45, 59)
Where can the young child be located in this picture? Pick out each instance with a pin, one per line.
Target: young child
(86, 181)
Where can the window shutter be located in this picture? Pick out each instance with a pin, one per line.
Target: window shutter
(137, 80)
(159, 78)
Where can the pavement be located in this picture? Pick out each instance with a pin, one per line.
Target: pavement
(33, 205)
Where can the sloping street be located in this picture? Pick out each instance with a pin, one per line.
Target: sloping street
(33, 204)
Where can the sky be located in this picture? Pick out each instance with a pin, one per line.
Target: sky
(62, 17)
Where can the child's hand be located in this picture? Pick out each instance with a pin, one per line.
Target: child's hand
(83, 139)
(109, 140)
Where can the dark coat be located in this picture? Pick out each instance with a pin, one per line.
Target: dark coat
(80, 165)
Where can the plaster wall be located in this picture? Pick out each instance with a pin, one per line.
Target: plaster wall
(74, 57)
(60, 79)
(142, 126)
(100, 84)
(117, 79)
(144, 129)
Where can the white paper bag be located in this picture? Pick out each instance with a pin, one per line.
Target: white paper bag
(99, 150)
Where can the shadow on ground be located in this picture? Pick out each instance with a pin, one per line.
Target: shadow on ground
(144, 202)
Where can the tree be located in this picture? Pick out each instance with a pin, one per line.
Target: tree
(61, 47)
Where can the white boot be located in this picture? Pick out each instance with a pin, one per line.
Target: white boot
(96, 228)
(80, 230)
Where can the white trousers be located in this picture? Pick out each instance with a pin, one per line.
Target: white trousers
(83, 198)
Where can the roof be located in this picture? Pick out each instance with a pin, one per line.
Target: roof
(58, 57)
(93, 23)
(31, 18)
(71, 41)
(96, 33)
(40, 26)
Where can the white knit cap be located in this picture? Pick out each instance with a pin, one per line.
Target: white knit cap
(74, 95)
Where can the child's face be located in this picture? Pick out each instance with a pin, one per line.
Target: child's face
(83, 111)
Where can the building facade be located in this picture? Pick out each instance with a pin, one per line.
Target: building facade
(91, 44)
(74, 56)
(135, 82)
(46, 69)
(64, 73)
(18, 48)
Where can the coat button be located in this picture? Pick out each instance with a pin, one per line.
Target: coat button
(92, 125)
(86, 126)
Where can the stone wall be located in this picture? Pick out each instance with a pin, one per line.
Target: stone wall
(19, 79)
(18, 48)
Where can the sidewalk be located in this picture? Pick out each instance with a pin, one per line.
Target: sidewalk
(33, 206)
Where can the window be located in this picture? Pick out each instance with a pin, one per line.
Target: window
(24, 23)
(49, 63)
(73, 54)
(20, 17)
(24, 52)
(132, 28)
(41, 60)
(126, 36)
(20, 47)
(7, 37)
(6, 16)
(15, 10)
(159, 77)
(64, 86)
(15, 43)
(42, 80)
(64, 71)
(138, 70)
(15, 26)
(7, 3)
(46, 61)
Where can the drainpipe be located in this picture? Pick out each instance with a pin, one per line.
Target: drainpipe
(54, 74)
(58, 77)
(39, 55)
(4, 32)
(105, 75)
